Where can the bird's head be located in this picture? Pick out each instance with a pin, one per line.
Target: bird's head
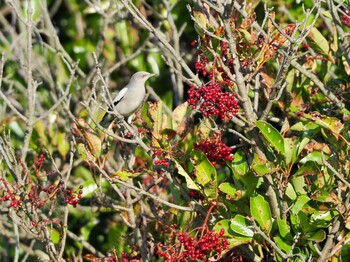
(141, 77)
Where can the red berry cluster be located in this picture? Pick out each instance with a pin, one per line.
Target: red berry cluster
(9, 195)
(201, 63)
(40, 161)
(194, 248)
(14, 202)
(36, 197)
(161, 161)
(346, 17)
(74, 197)
(216, 73)
(36, 194)
(215, 150)
(213, 101)
(224, 48)
(39, 164)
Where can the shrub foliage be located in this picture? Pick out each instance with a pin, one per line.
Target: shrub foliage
(239, 153)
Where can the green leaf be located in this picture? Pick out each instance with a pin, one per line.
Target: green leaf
(233, 239)
(290, 80)
(201, 21)
(260, 210)
(62, 144)
(272, 135)
(179, 114)
(125, 175)
(84, 153)
(204, 170)
(245, 179)
(40, 128)
(90, 188)
(317, 236)
(321, 216)
(242, 226)
(290, 192)
(283, 228)
(228, 189)
(55, 235)
(189, 182)
(318, 42)
(290, 148)
(283, 244)
(309, 129)
(261, 166)
(302, 144)
(327, 14)
(239, 164)
(17, 129)
(299, 204)
(225, 225)
(205, 174)
(298, 183)
(331, 123)
(204, 130)
(211, 190)
(155, 114)
(309, 168)
(245, 34)
(299, 222)
(315, 156)
(238, 241)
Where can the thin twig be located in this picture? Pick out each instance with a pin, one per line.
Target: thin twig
(85, 244)
(268, 240)
(66, 211)
(141, 191)
(326, 91)
(335, 172)
(143, 21)
(31, 85)
(3, 96)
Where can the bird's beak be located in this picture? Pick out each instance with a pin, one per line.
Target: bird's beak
(152, 74)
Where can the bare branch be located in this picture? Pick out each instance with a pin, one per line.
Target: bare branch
(143, 21)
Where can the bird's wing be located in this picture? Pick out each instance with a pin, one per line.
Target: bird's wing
(120, 96)
(108, 118)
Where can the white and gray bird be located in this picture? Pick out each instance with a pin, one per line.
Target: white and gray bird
(130, 98)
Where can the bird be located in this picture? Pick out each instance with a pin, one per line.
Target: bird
(130, 98)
